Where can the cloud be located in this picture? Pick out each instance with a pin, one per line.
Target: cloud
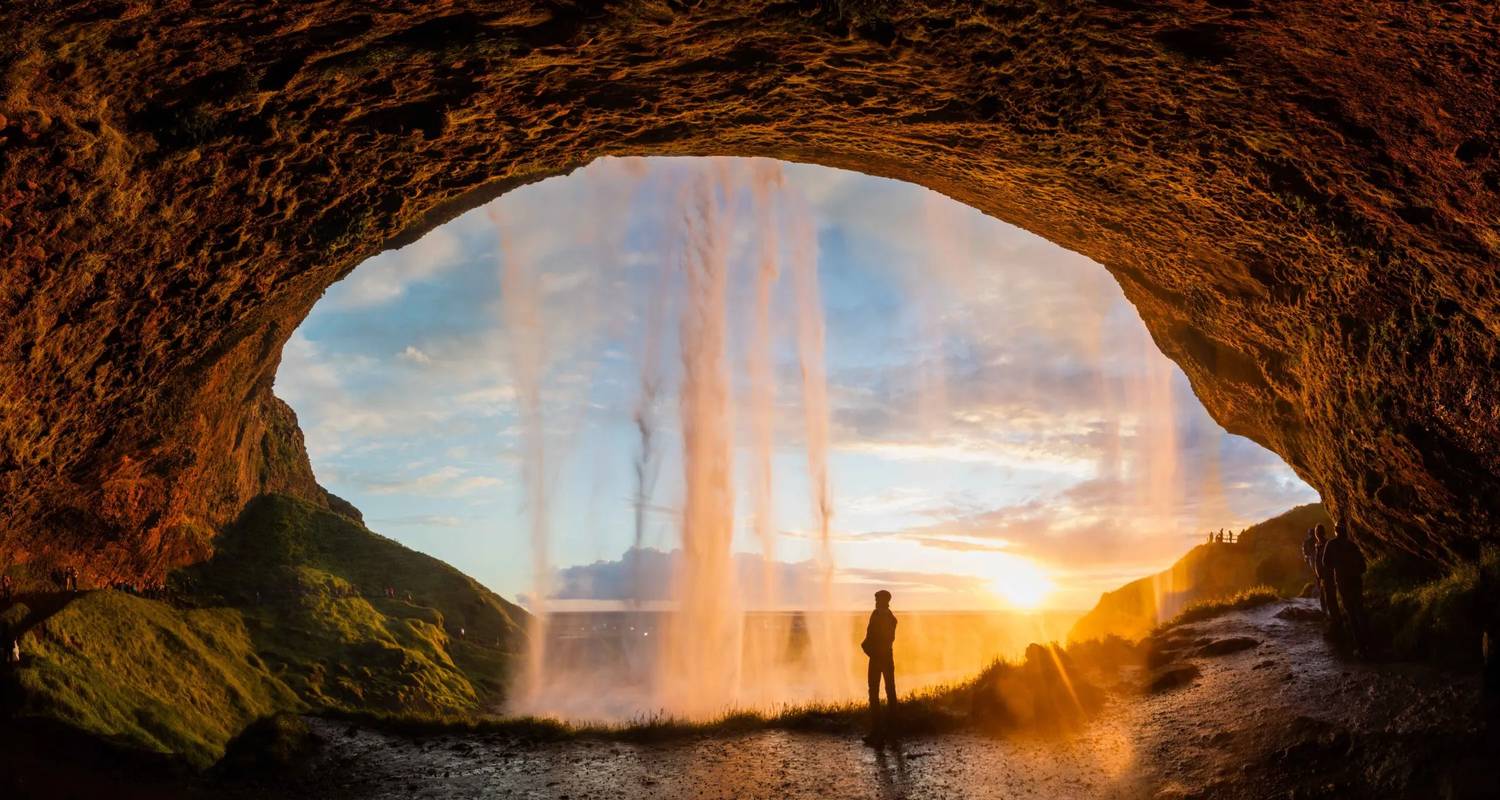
(1097, 524)
(414, 355)
(445, 481)
(420, 521)
(389, 275)
(963, 544)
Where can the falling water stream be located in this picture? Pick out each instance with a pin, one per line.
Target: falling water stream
(704, 660)
(704, 650)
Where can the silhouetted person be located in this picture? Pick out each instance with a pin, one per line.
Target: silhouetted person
(10, 645)
(879, 643)
(7, 589)
(1310, 556)
(1343, 561)
(1327, 595)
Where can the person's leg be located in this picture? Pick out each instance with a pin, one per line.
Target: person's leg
(889, 670)
(873, 678)
(1352, 593)
(1331, 604)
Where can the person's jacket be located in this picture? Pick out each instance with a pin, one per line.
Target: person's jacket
(880, 634)
(1342, 559)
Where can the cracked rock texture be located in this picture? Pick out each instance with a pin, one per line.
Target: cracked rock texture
(1300, 199)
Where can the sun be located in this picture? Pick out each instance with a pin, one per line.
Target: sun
(1019, 582)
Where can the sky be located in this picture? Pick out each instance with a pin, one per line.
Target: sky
(1002, 431)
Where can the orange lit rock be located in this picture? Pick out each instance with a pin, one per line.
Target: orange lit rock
(1300, 199)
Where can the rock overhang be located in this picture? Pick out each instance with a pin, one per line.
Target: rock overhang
(1301, 201)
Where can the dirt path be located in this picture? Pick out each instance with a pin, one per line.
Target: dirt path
(1284, 717)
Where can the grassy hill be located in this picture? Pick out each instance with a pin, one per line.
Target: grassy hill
(290, 614)
(1267, 554)
(311, 586)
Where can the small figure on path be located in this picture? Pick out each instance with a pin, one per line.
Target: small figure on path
(1486, 611)
(1343, 561)
(879, 644)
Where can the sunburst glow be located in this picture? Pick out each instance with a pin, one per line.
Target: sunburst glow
(1020, 583)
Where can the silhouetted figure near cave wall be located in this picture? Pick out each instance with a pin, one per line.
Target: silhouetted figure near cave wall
(1346, 564)
(1311, 551)
(1310, 557)
(10, 645)
(1327, 594)
(879, 645)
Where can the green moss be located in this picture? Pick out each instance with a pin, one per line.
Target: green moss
(1427, 615)
(289, 615)
(148, 676)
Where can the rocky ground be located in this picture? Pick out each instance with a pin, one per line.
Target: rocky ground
(1272, 711)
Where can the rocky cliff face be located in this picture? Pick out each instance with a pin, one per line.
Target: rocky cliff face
(1300, 198)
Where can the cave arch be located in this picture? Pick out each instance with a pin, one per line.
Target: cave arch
(1300, 199)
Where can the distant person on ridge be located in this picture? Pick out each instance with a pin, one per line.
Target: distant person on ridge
(880, 639)
(1343, 561)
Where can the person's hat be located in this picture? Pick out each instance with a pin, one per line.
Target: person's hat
(883, 595)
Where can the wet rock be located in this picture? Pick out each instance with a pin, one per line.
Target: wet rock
(1160, 657)
(1173, 676)
(1223, 647)
(1300, 614)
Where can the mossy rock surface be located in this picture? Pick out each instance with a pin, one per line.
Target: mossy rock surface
(147, 675)
(289, 615)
